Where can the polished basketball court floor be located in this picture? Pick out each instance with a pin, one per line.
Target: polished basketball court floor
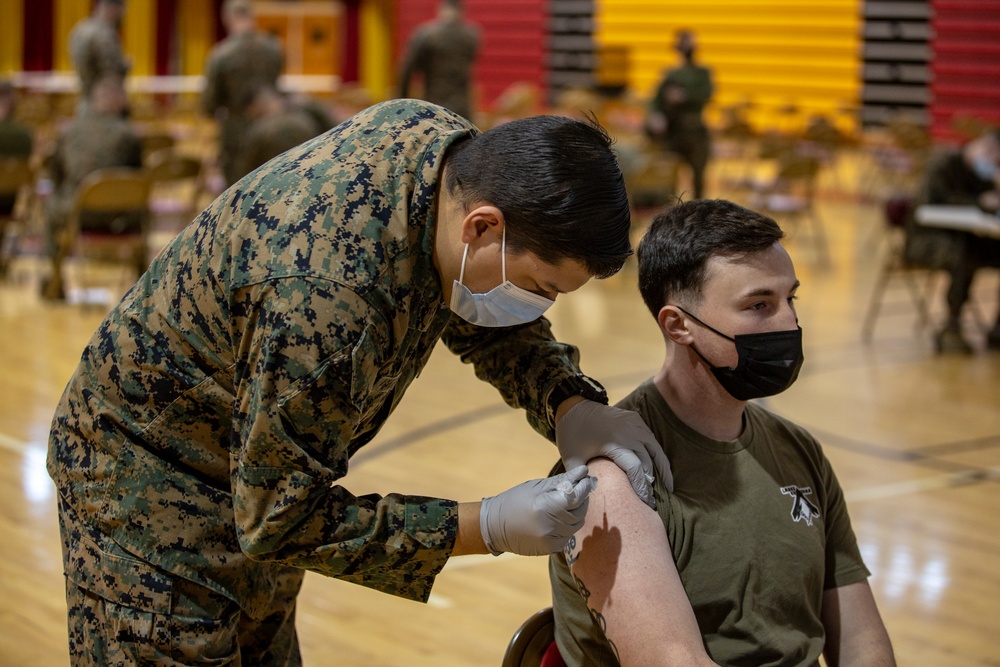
(914, 437)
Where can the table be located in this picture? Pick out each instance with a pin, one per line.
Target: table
(68, 83)
(960, 218)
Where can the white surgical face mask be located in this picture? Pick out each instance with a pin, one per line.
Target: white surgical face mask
(503, 306)
(985, 168)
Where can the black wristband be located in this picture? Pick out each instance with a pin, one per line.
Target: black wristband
(575, 385)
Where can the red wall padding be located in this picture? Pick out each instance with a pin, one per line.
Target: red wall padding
(37, 51)
(166, 32)
(965, 63)
(513, 41)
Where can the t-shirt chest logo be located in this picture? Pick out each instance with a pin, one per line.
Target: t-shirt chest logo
(802, 508)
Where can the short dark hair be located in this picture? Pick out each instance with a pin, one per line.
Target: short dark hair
(679, 242)
(558, 184)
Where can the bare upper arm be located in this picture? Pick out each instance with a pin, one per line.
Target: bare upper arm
(623, 566)
(855, 633)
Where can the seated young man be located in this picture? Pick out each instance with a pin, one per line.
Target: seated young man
(751, 559)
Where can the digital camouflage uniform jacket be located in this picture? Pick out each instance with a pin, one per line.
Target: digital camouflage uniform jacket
(216, 407)
(237, 68)
(96, 53)
(444, 53)
(92, 141)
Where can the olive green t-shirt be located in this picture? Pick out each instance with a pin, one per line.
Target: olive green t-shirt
(758, 528)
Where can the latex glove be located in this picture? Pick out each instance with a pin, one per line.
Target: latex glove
(538, 517)
(590, 429)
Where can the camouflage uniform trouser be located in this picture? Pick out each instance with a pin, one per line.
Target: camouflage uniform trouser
(124, 611)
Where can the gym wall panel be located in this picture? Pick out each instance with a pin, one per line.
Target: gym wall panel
(67, 14)
(772, 54)
(139, 36)
(376, 48)
(311, 34)
(966, 65)
(11, 37)
(896, 55)
(197, 27)
(165, 34)
(39, 28)
(571, 57)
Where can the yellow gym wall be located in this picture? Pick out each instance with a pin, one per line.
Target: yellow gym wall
(11, 37)
(138, 33)
(771, 54)
(196, 23)
(67, 14)
(376, 64)
(139, 36)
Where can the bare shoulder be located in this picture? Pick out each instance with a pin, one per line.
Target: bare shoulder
(606, 469)
(612, 482)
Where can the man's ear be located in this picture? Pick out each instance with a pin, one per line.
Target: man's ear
(673, 325)
(481, 222)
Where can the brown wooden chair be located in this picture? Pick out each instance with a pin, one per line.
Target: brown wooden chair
(176, 187)
(918, 280)
(120, 196)
(789, 198)
(16, 178)
(155, 141)
(529, 644)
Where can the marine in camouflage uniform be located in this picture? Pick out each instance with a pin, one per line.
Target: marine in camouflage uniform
(278, 124)
(95, 48)
(98, 138)
(443, 52)
(16, 141)
(240, 65)
(679, 100)
(198, 447)
(951, 179)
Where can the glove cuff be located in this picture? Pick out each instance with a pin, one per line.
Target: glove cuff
(484, 526)
(574, 385)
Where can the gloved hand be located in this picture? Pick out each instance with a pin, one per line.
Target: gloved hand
(537, 517)
(590, 429)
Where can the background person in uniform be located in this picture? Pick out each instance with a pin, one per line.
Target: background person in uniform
(968, 176)
(277, 124)
(675, 115)
(16, 139)
(751, 559)
(98, 138)
(199, 448)
(246, 61)
(95, 46)
(443, 52)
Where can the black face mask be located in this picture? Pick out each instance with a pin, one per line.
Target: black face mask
(767, 363)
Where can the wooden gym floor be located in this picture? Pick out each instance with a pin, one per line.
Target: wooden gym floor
(914, 437)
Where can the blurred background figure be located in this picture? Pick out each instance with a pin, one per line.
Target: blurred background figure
(16, 140)
(967, 175)
(278, 123)
(98, 138)
(443, 51)
(246, 61)
(675, 113)
(96, 49)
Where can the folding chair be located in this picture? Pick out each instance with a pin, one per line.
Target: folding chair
(155, 141)
(16, 177)
(532, 641)
(175, 188)
(790, 196)
(895, 213)
(121, 197)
